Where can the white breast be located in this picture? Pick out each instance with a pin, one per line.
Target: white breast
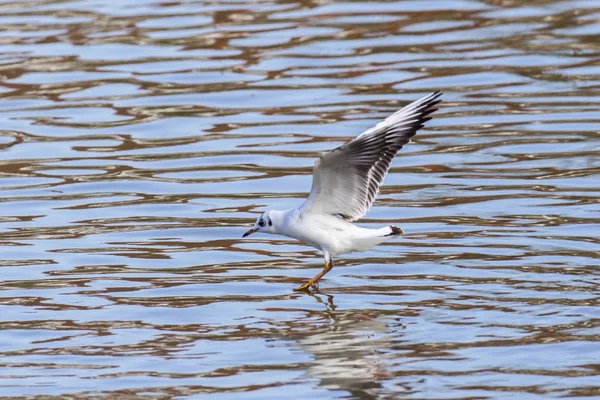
(324, 232)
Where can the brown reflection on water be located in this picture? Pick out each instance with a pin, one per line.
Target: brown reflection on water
(139, 138)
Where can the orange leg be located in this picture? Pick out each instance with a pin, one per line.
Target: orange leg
(313, 282)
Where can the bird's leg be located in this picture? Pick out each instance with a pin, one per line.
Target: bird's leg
(314, 281)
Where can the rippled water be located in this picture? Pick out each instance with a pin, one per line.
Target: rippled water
(140, 139)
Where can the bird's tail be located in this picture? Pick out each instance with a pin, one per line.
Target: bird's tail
(392, 231)
(363, 239)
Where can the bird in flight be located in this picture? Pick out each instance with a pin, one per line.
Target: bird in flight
(345, 183)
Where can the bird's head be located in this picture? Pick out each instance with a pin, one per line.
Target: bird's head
(263, 224)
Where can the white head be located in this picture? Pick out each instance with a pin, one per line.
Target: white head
(266, 223)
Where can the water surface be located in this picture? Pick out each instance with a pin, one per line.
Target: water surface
(140, 139)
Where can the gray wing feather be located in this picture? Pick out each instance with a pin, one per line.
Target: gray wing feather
(347, 179)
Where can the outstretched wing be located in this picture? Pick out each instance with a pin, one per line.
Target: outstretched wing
(347, 180)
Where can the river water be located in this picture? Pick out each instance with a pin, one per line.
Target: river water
(140, 139)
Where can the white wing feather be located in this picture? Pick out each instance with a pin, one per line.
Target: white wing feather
(347, 180)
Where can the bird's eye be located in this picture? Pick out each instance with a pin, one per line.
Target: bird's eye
(261, 223)
(270, 223)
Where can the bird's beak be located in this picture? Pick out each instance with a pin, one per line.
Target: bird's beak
(250, 232)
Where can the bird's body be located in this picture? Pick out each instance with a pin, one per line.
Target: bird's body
(332, 235)
(345, 183)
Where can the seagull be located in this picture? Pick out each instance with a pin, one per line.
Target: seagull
(345, 183)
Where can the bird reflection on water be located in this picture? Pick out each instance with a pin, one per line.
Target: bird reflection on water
(348, 349)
